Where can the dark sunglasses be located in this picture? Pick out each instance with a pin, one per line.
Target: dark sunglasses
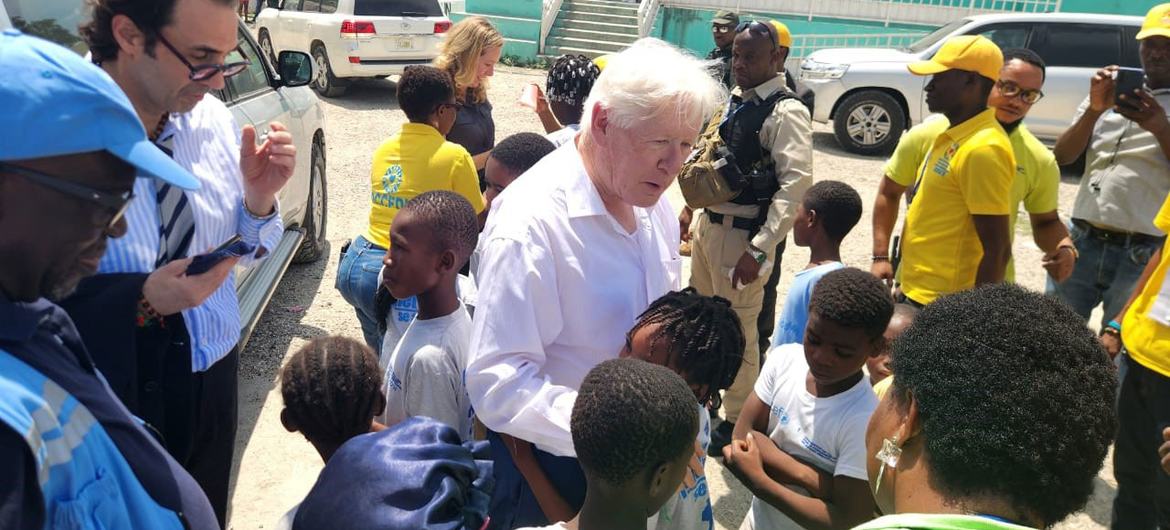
(204, 72)
(115, 203)
(752, 25)
(1011, 90)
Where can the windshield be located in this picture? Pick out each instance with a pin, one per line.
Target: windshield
(397, 8)
(934, 36)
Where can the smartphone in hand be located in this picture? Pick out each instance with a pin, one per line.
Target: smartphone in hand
(232, 248)
(1127, 81)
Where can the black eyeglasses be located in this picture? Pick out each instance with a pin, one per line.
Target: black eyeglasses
(751, 25)
(115, 203)
(204, 72)
(1010, 90)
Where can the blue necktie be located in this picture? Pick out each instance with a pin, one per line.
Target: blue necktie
(176, 222)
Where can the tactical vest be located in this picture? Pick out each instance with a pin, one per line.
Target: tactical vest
(740, 131)
(85, 481)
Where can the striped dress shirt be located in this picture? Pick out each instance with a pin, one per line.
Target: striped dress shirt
(207, 143)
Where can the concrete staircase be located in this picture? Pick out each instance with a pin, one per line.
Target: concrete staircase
(592, 28)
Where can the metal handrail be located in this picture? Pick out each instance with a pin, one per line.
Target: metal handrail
(549, 10)
(647, 12)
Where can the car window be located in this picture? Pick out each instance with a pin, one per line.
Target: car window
(252, 80)
(311, 6)
(1006, 35)
(925, 42)
(291, 5)
(328, 6)
(54, 21)
(1129, 47)
(397, 8)
(1080, 45)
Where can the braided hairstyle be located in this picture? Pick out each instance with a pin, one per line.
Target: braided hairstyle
(570, 79)
(705, 335)
(332, 389)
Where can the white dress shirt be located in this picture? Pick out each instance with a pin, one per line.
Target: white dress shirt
(561, 283)
(206, 143)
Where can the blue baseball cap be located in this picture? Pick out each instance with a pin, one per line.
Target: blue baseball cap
(57, 103)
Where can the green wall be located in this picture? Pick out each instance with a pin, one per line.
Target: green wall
(691, 28)
(1115, 7)
(517, 20)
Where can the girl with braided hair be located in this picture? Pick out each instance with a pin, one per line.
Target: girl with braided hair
(699, 338)
(560, 107)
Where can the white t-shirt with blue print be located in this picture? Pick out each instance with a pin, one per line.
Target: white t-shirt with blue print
(690, 509)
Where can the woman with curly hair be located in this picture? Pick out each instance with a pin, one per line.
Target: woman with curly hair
(999, 416)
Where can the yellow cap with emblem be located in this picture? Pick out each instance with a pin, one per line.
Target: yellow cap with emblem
(1157, 23)
(973, 53)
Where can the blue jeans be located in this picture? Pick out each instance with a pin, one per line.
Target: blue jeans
(1105, 273)
(357, 280)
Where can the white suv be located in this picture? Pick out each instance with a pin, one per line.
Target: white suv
(871, 98)
(353, 38)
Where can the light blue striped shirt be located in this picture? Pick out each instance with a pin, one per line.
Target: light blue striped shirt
(207, 143)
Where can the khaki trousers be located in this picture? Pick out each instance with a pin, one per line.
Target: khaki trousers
(715, 250)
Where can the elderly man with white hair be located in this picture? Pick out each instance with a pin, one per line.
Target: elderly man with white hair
(574, 251)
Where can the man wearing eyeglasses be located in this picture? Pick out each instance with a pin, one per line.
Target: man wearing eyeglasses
(169, 338)
(1037, 181)
(767, 132)
(723, 33)
(957, 233)
(71, 455)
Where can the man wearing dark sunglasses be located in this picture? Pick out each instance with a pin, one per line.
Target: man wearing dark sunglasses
(723, 33)
(767, 132)
(1037, 182)
(71, 454)
(175, 334)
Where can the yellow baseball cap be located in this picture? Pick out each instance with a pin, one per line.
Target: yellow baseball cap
(973, 53)
(1157, 23)
(783, 36)
(602, 61)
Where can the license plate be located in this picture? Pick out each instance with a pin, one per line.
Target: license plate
(404, 43)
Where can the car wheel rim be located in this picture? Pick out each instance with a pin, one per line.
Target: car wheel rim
(266, 46)
(320, 81)
(868, 124)
(318, 203)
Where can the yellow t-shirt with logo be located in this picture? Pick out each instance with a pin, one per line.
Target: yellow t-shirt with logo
(1148, 341)
(969, 171)
(416, 160)
(1036, 184)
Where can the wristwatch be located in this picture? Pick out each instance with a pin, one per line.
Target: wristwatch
(757, 254)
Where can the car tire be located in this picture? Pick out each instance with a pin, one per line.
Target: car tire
(316, 211)
(266, 47)
(324, 82)
(869, 122)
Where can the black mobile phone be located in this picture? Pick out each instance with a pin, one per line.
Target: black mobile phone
(233, 247)
(1127, 80)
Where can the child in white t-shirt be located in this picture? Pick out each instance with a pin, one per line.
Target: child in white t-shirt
(430, 240)
(814, 402)
(700, 339)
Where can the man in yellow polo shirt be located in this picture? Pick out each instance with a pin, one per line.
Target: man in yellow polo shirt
(416, 160)
(1037, 181)
(957, 230)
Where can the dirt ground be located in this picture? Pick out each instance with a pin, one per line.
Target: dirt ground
(275, 469)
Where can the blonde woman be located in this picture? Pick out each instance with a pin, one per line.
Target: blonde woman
(470, 54)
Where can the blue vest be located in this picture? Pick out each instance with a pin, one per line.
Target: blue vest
(85, 481)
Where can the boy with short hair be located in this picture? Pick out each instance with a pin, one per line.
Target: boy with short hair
(879, 366)
(815, 402)
(431, 239)
(416, 160)
(632, 466)
(511, 158)
(824, 216)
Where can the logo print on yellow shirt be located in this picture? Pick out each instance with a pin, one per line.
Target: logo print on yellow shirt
(392, 179)
(944, 162)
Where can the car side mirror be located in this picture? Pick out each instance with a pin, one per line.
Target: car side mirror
(296, 68)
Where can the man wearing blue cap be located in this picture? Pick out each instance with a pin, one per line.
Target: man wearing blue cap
(172, 336)
(72, 456)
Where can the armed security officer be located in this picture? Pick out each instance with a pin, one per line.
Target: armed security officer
(767, 134)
